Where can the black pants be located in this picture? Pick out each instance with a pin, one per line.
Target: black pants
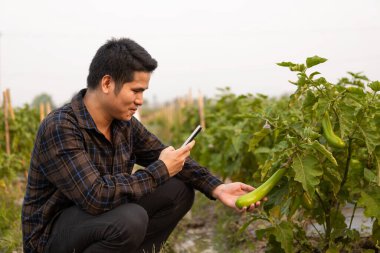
(133, 227)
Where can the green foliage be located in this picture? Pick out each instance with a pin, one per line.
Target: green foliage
(231, 127)
(10, 211)
(235, 146)
(22, 132)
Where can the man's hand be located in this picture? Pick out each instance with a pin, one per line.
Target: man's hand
(174, 159)
(229, 193)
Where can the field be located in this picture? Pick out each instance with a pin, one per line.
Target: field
(324, 137)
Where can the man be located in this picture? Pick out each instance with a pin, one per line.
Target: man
(81, 194)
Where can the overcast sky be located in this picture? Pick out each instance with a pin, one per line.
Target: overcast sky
(47, 46)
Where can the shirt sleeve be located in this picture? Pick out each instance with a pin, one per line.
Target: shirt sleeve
(148, 148)
(200, 177)
(68, 166)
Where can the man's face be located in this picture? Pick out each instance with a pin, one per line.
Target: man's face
(123, 105)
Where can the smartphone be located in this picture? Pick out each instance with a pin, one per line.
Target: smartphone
(192, 135)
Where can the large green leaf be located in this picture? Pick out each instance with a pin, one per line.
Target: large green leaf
(371, 136)
(370, 200)
(307, 172)
(332, 175)
(348, 116)
(284, 234)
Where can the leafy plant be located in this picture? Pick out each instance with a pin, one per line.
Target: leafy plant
(331, 174)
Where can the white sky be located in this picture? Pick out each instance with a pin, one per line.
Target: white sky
(47, 46)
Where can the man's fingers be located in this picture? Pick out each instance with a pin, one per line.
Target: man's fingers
(191, 145)
(187, 148)
(247, 188)
(170, 148)
(253, 206)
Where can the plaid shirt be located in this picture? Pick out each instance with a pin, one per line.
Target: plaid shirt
(74, 164)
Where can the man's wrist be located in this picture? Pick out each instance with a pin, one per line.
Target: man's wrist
(216, 192)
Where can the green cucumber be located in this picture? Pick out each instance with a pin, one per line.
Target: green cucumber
(252, 197)
(332, 139)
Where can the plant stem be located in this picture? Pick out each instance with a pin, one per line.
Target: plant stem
(346, 169)
(327, 220)
(353, 214)
(319, 233)
(328, 227)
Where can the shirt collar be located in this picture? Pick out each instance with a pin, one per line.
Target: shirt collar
(83, 116)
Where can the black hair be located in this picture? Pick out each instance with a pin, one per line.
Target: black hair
(119, 58)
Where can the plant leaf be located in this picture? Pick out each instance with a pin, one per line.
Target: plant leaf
(371, 136)
(257, 137)
(286, 64)
(324, 151)
(315, 60)
(307, 171)
(370, 200)
(375, 86)
(284, 234)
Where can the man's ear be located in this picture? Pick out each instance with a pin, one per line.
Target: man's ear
(106, 84)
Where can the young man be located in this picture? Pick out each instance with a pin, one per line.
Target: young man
(81, 194)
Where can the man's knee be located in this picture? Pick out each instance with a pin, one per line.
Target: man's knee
(185, 197)
(128, 226)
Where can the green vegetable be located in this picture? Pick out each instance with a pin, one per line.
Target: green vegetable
(332, 139)
(263, 190)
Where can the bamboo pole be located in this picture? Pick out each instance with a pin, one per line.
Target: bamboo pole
(42, 111)
(7, 135)
(190, 98)
(10, 108)
(48, 107)
(181, 104)
(201, 110)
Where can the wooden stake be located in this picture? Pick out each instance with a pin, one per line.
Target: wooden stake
(7, 135)
(190, 98)
(48, 107)
(42, 111)
(201, 110)
(181, 104)
(10, 108)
